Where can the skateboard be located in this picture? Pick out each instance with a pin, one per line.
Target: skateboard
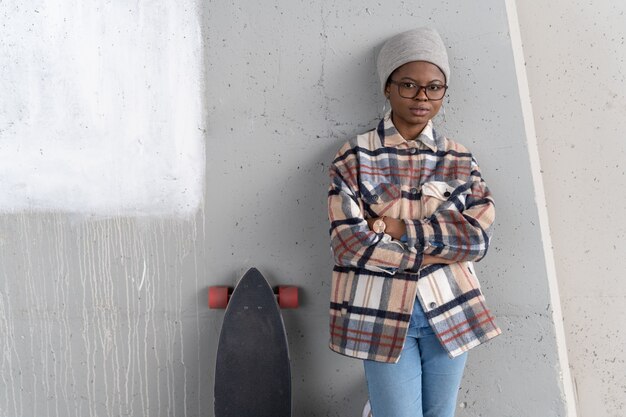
(252, 371)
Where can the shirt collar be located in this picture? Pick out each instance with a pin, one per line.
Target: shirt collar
(389, 135)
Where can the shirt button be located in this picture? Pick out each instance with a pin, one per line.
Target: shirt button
(432, 305)
(375, 196)
(413, 190)
(446, 194)
(412, 150)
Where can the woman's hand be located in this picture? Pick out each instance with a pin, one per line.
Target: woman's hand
(393, 227)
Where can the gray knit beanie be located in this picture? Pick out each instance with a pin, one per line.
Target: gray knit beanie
(422, 44)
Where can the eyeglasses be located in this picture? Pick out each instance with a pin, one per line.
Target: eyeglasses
(408, 89)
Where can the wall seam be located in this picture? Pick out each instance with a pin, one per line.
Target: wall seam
(535, 166)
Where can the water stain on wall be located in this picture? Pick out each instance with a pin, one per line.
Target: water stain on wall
(100, 318)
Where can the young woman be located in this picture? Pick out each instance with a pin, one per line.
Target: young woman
(409, 213)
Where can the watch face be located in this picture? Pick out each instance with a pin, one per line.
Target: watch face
(379, 226)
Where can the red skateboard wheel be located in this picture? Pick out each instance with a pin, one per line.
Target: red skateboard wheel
(288, 297)
(218, 297)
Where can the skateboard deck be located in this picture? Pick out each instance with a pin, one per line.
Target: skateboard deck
(252, 373)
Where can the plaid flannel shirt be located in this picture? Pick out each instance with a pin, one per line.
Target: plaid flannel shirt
(434, 185)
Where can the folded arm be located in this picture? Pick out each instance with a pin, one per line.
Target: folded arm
(453, 234)
(353, 242)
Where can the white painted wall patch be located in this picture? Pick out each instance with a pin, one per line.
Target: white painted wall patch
(101, 108)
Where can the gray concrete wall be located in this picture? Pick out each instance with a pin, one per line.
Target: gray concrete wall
(575, 60)
(107, 315)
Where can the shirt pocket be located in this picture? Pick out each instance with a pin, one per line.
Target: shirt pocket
(383, 199)
(443, 195)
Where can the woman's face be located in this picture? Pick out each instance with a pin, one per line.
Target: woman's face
(410, 115)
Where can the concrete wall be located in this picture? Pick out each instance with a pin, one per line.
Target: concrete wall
(92, 108)
(107, 315)
(575, 58)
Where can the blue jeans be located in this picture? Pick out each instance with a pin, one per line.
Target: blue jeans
(425, 381)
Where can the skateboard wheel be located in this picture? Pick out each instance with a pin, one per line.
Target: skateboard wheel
(288, 297)
(218, 297)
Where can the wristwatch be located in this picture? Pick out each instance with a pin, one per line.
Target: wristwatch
(379, 225)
